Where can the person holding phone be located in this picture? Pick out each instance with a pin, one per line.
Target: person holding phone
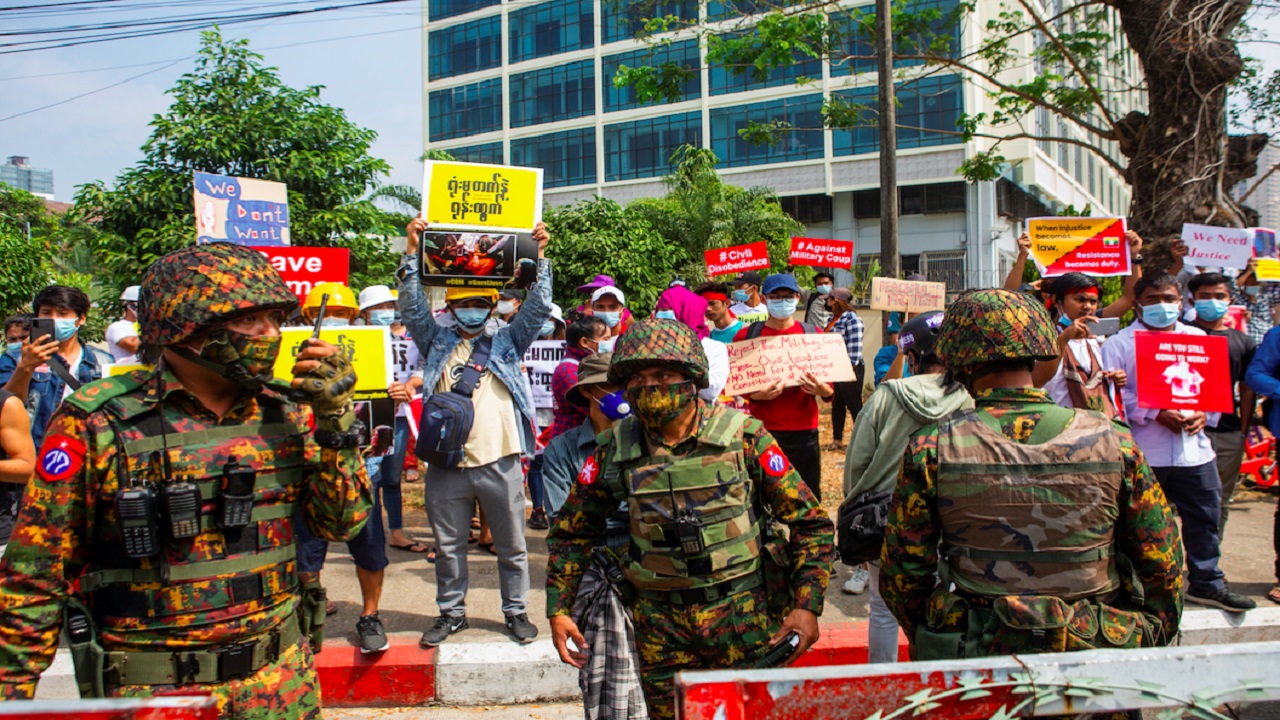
(1076, 378)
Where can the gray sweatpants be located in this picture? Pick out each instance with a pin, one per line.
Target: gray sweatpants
(450, 498)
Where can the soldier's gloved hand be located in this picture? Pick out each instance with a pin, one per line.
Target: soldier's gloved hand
(805, 624)
(324, 375)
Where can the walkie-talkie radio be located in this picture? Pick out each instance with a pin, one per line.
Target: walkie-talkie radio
(181, 501)
(138, 520)
(235, 499)
(689, 532)
(302, 396)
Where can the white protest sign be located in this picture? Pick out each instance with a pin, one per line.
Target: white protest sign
(755, 364)
(540, 361)
(1209, 246)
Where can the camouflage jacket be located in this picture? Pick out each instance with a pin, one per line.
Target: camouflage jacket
(580, 524)
(1145, 532)
(66, 523)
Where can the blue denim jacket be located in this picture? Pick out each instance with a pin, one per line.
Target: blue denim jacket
(44, 394)
(1263, 375)
(436, 343)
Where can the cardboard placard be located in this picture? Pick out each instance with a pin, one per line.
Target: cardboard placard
(907, 295)
(819, 252)
(755, 364)
(239, 210)
(1235, 318)
(540, 361)
(473, 259)
(1183, 372)
(1267, 269)
(1093, 246)
(302, 267)
(736, 259)
(1209, 246)
(473, 196)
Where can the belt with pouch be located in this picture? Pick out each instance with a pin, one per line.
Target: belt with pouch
(202, 667)
(685, 597)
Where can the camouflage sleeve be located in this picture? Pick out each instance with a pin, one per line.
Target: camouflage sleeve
(338, 495)
(47, 552)
(1147, 535)
(909, 559)
(579, 525)
(792, 503)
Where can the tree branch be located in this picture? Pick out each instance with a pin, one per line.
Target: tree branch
(1258, 183)
(1071, 59)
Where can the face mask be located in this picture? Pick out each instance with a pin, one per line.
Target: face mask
(333, 322)
(471, 318)
(63, 329)
(1064, 321)
(614, 406)
(1160, 315)
(741, 295)
(244, 359)
(780, 309)
(14, 347)
(396, 319)
(610, 318)
(1211, 310)
(657, 405)
(382, 318)
(1251, 290)
(606, 345)
(506, 307)
(665, 315)
(824, 289)
(548, 327)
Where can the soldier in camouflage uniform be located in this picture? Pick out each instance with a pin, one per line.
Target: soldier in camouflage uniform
(166, 595)
(715, 583)
(1047, 520)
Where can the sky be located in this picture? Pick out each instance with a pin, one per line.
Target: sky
(369, 59)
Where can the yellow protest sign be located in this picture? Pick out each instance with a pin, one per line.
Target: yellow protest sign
(475, 196)
(1089, 245)
(1267, 269)
(114, 369)
(911, 296)
(755, 364)
(368, 349)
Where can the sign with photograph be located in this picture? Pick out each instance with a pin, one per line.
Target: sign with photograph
(1183, 372)
(755, 364)
(736, 259)
(473, 259)
(1093, 246)
(239, 210)
(476, 196)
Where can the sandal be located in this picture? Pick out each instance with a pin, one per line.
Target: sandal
(413, 547)
(1274, 594)
(431, 555)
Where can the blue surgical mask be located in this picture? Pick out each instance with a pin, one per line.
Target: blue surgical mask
(1064, 321)
(548, 327)
(471, 318)
(333, 322)
(14, 347)
(610, 318)
(780, 309)
(1211, 310)
(665, 315)
(1251, 290)
(741, 295)
(606, 345)
(382, 318)
(1161, 315)
(396, 318)
(614, 406)
(824, 289)
(63, 329)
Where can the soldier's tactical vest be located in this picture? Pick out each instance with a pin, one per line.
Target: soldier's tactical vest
(215, 577)
(1034, 518)
(692, 520)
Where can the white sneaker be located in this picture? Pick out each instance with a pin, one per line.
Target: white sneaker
(857, 583)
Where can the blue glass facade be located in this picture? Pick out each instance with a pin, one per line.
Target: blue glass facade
(803, 143)
(927, 114)
(643, 148)
(566, 158)
(931, 19)
(465, 110)
(486, 153)
(622, 20)
(464, 48)
(551, 94)
(684, 54)
(441, 9)
(724, 80)
(550, 28)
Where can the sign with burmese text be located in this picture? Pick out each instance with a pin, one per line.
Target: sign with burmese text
(756, 364)
(540, 362)
(818, 252)
(302, 267)
(911, 296)
(736, 259)
(1209, 246)
(240, 210)
(482, 197)
(1182, 372)
(369, 350)
(1089, 245)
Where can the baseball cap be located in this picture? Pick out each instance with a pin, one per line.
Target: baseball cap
(748, 278)
(597, 282)
(593, 370)
(130, 293)
(609, 290)
(781, 281)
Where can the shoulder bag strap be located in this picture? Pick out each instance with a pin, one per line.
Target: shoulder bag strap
(466, 385)
(60, 369)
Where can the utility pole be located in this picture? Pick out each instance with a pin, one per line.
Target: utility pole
(890, 260)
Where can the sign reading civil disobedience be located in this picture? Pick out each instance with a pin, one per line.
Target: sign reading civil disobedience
(736, 259)
(819, 252)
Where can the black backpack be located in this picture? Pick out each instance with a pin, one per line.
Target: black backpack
(447, 417)
(860, 524)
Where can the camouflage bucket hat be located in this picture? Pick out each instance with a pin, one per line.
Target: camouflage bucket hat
(991, 325)
(192, 289)
(659, 342)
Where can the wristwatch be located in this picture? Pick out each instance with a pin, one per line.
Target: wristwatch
(1136, 260)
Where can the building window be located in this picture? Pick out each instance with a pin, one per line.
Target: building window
(566, 158)
(725, 9)
(808, 208)
(724, 80)
(863, 138)
(551, 94)
(857, 53)
(465, 110)
(1064, 149)
(803, 142)
(684, 53)
(550, 29)
(464, 48)
(490, 153)
(624, 19)
(927, 112)
(643, 148)
(913, 200)
(441, 9)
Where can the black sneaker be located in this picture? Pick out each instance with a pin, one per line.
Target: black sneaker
(521, 629)
(373, 638)
(538, 520)
(442, 629)
(1224, 599)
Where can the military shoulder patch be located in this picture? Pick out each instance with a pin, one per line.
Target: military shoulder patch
(590, 471)
(774, 462)
(60, 458)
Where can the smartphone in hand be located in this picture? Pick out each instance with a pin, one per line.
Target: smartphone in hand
(40, 327)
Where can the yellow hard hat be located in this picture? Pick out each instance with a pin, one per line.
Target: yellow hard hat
(467, 293)
(339, 296)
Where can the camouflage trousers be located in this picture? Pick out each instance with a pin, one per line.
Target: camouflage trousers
(286, 688)
(730, 633)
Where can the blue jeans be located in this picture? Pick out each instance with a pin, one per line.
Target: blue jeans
(1196, 492)
(388, 485)
(536, 494)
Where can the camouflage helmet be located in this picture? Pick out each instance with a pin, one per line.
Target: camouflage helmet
(190, 290)
(985, 326)
(659, 342)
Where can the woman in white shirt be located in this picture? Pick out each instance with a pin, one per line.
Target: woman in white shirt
(1076, 378)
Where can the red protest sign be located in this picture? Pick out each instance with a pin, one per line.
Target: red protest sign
(1183, 372)
(819, 252)
(1235, 318)
(736, 259)
(303, 267)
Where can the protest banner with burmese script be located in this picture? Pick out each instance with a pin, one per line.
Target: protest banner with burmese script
(1089, 245)
(540, 361)
(369, 350)
(911, 296)
(756, 364)
(818, 252)
(239, 210)
(477, 196)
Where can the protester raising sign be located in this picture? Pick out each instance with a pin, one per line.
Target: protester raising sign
(907, 295)
(1182, 372)
(1093, 246)
(473, 196)
(243, 211)
(818, 252)
(736, 259)
(540, 361)
(302, 267)
(755, 364)
(1209, 246)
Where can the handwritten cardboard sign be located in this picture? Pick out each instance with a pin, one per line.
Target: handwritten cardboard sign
(907, 295)
(755, 364)
(1182, 372)
(1093, 246)
(243, 211)
(540, 361)
(819, 252)
(302, 267)
(736, 259)
(474, 196)
(1209, 246)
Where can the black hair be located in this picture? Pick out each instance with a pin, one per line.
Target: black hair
(22, 320)
(584, 328)
(712, 287)
(1157, 282)
(61, 297)
(1207, 279)
(826, 275)
(1072, 282)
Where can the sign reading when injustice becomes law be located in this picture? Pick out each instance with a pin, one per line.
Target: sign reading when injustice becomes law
(1178, 371)
(478, 196)
(736, 259)
(907, 295)
(819, 252)
(302, 267)
(243, 211)
(1093, 246)
(755, 364)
